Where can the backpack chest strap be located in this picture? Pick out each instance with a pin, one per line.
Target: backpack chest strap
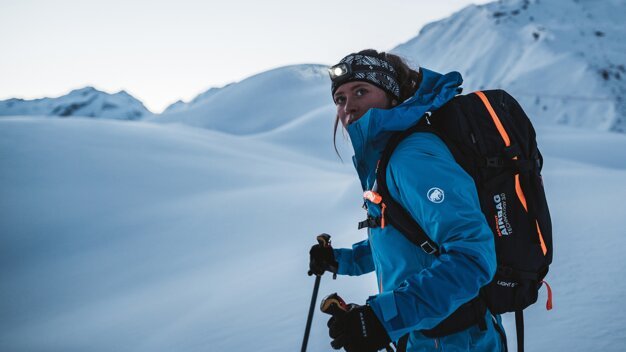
(370, 222)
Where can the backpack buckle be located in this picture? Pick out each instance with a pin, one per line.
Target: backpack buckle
(370, 222)
(505, 271)
(428, 248)
(494, 162)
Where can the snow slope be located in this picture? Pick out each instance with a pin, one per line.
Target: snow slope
(311, 134)
(565, 60)
(84, 102)
(182, 106)
(129, 236)
(261, 103)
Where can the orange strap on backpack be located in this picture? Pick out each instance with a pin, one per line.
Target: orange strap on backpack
(507, 143)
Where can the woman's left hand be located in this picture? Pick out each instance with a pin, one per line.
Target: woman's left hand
(357, 330)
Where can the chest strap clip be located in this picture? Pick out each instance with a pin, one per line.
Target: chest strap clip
(370, 222)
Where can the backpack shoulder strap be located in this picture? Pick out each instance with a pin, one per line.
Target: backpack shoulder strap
(395, 214)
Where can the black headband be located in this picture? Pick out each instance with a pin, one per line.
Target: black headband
(359, 67)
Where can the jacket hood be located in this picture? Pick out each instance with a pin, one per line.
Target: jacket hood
(370, 133)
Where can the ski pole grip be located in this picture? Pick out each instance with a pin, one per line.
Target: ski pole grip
(324, 240)
(333, 305)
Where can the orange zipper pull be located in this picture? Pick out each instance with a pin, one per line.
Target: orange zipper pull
(373, 197)
(382, 216)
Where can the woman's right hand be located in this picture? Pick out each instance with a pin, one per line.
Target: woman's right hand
(321, 257)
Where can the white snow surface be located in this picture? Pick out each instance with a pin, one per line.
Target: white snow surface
(260, 103)
(84, 102)
(133, 236)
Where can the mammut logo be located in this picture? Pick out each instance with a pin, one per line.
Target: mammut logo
(503, 227)
(363, 326)
(435, 195)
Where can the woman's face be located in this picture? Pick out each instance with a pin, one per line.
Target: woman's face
(353, 99)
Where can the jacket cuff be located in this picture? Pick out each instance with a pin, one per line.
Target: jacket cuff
(339, 260)
(384, 306)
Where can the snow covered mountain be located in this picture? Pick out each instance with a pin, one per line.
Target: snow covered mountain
(84, 102)
(564, 60)
(257, 104)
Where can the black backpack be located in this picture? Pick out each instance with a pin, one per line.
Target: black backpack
(493, 140)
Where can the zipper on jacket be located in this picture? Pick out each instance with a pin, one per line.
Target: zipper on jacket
(377, 265)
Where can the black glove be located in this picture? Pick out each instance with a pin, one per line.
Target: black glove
(357, 330)
(322, 259)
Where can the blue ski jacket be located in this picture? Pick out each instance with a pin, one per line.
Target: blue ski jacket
(418, 290)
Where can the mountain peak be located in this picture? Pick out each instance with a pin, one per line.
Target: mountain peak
(85, 90)
(83, 102)
(561, 58)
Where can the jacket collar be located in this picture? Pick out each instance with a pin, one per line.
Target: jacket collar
(370, 133)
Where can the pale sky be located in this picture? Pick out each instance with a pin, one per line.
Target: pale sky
(163, 51)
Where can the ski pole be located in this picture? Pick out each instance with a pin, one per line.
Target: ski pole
(324, 241)
(311, 309)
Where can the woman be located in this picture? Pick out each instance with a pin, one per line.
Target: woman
(377, 94)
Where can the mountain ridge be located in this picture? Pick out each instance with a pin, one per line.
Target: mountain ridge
(555, 57)
(84, 102)
(563, 60)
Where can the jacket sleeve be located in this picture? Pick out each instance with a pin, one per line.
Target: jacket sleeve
(420, 165)
(355, 261)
